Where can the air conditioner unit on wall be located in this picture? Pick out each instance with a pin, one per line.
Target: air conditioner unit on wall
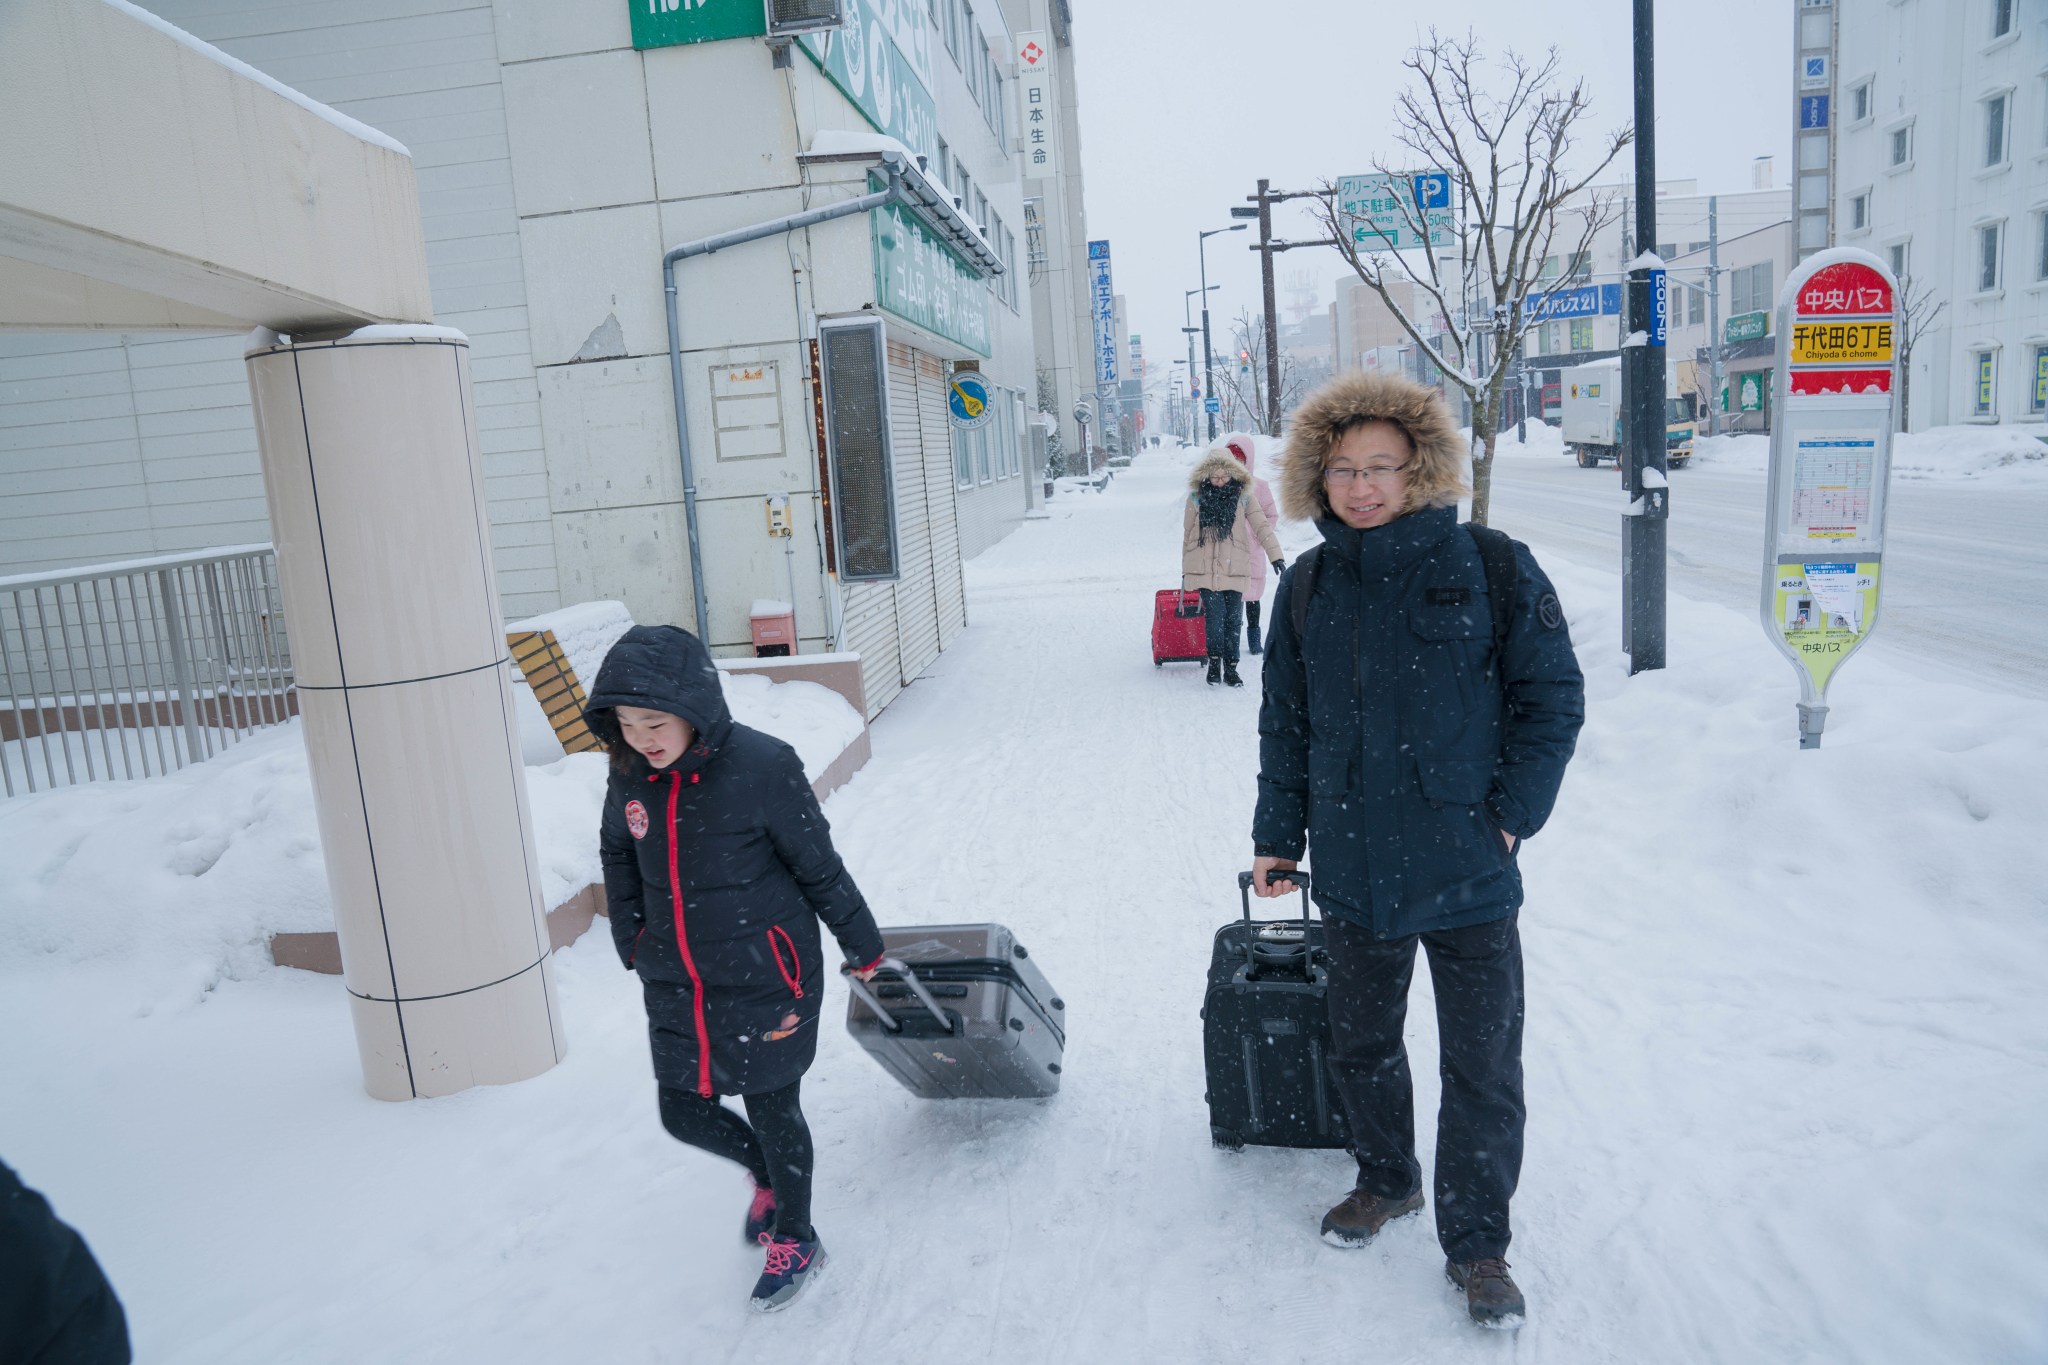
(786, 17)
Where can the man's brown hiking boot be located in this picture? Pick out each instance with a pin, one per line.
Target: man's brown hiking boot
(1360, 1217)
(1490, 1294)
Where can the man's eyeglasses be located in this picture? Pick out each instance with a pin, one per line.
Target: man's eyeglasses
(1382, 474)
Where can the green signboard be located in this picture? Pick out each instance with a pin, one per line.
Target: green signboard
(882, 61)
(919, 279)
(665, 23)
(1752, 391)
(1747, 326)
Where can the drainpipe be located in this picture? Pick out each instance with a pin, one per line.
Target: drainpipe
(775, 227)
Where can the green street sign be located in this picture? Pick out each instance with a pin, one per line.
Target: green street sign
(919, 279)
(1747, 326)
(665, 23)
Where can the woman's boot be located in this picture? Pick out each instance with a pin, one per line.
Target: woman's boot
(1230, 677)
(1215, 670)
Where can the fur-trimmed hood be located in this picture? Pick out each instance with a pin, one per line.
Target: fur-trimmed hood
(1436, 477)
(1217, 460)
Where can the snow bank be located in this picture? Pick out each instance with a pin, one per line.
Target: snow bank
(586, 632)
(1940, 454)
(1991, 454)
(184, 878)
(809, 717)
(1545, 442)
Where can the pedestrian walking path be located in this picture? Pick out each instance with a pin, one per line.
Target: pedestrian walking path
(1786, 1054)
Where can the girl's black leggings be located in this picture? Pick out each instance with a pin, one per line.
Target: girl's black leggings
(776, 1147)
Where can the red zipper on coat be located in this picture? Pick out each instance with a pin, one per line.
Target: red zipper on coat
(794, 980)
(675, 891)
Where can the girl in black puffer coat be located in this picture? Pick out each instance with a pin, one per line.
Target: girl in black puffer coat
(718, 866)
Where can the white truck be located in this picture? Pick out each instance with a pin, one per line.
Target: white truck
(1591, 415)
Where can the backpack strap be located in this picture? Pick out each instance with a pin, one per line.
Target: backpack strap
(1300, 588)
(1503, 577)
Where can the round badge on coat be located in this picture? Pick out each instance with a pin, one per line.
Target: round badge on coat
(1550, 611)
(636, 819)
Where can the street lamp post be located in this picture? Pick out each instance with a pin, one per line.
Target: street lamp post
(1208, 354)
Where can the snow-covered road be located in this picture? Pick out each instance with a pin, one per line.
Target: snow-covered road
(1966, 566)
(1787, 1052)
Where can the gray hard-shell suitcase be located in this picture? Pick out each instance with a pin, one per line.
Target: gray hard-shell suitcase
(960, 1011)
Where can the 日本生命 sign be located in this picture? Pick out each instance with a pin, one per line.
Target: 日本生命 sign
(1102, 303)
(1035, 104)
(882, 61)
(1831, 444)
(919, 279)
(1384, 212)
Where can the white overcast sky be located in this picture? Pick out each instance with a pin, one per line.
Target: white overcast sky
(1185, 106)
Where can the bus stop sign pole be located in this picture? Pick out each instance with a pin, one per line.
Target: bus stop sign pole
(1831, 462)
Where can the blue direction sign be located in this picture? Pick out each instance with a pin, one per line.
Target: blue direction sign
(967, 401)
(1213, 406)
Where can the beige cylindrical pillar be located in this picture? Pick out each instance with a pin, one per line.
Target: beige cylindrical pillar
(376, 494)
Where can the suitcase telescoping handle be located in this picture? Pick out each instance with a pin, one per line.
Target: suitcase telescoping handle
(874, 1002)
(1297, 875)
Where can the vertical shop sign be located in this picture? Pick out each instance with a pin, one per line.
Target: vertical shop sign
(1102, 297)
(1035, 104)
(1831, 456)
(882, 61)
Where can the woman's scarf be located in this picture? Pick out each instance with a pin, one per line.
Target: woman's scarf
(1216, 508)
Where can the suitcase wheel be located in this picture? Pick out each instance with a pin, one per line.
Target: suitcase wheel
(1226, 1139)
(1053, 1067)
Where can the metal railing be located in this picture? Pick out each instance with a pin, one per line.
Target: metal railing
(128, 670)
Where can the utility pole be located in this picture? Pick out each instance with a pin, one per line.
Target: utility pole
(1643, 524)
(1713, 315)
(1267, 248)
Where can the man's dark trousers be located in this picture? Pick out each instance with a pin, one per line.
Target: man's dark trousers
(1478, 976)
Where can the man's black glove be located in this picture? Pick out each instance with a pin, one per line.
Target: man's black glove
(1279, 566)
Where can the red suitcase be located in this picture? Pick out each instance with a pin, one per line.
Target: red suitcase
(1180, 633)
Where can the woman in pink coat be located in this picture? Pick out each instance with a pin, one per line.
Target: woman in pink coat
(1241, 445)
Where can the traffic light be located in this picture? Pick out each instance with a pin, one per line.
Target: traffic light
(1244, 362)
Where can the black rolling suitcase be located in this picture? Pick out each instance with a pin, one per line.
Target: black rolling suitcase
(1266, 1032)
(960, 1011)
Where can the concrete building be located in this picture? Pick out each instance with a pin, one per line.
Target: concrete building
(560, 150)
(1056, 219)
(1591, 325)
(1753, 266)
(1940, 144)
(240, 206)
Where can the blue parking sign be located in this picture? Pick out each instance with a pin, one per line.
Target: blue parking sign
(1433, 191)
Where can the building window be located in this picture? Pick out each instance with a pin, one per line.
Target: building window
(1859, 102)
(1898, 258)
(1902, 145)
(1582, 334)
(2001, 18)
(1749, 288)
(980, 435)
(1695, 307)
(1549, 271)
(1010, 267)
(1582, 265)
(2041, 245)
(1859, 211)
(1994, 129)
(2037, 402)
(1986, 404)
(963, 459)
(1988, 244)
(952, 27)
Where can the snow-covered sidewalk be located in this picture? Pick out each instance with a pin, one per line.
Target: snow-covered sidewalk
(1787, 1048)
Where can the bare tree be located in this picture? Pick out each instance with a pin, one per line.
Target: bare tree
(1244, 390)
(1503, 131)
(1917, 312)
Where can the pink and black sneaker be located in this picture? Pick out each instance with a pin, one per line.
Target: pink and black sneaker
(760, 1214)
(791, 1266)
